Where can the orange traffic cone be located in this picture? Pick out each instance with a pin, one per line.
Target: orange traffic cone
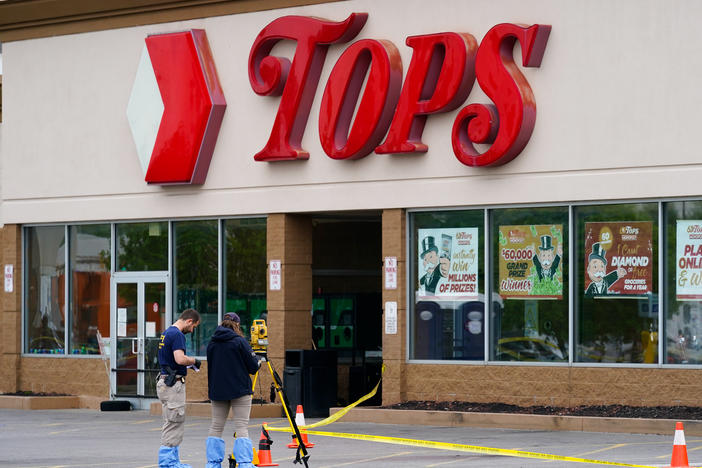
(679, 458)
(300, 421)
(264, 449)
(255, 460)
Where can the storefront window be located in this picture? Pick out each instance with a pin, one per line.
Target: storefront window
(45, 322)
(683, 284)
(196, 267)
(529, 272)
(245, 269)
(616, 291)
(446, 252)
(90, 287)
(142, 246)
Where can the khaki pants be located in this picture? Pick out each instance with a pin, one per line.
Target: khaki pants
(173, 411)
(241, 409)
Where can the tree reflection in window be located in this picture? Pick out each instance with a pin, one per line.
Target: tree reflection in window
(196, 268)
(245, 267)
(142, 246)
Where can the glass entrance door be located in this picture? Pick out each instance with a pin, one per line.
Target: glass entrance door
(141, 311)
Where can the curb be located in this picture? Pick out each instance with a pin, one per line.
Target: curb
(38, 402)
(196, 409)
(518, 421)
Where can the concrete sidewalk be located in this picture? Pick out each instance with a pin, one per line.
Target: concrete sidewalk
(86, 438)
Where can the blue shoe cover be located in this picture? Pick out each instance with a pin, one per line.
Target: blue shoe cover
(167, 457)
(178, 464)
(243, 452)
(214, 449)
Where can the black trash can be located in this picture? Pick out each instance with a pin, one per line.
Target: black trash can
(310, 380)
(362, 379)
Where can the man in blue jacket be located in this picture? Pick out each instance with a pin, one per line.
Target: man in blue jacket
(170, 387)
(230, 362)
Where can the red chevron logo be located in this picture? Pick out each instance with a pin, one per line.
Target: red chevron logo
(176, 108)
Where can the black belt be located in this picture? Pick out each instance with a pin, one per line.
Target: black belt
(178, 377)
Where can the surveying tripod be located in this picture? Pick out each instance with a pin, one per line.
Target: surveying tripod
(301, 455)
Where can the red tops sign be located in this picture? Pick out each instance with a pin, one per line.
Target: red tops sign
(440, 76)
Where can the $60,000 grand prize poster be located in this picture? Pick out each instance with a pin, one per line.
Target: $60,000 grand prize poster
(531, 261)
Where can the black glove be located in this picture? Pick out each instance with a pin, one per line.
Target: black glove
(197, 364)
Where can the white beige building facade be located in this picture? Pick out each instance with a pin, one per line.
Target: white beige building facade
(94, 255)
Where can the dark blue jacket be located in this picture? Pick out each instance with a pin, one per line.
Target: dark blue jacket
(230, 360)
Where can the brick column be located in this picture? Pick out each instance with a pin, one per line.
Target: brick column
(395, 346)
(11, 310)
(289, 239)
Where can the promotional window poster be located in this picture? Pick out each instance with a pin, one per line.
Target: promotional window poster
(688, 270)
(618, 259)
(531, 258)
(448, 262)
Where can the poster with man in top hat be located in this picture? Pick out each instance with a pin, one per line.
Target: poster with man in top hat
(435, 268)
(545, 262)
(600, 280)
(623, 248)
(448, 262)
(529, 270)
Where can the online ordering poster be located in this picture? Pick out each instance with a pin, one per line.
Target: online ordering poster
(618, 259)
(688, 260)
(448, 262)
(531, 258)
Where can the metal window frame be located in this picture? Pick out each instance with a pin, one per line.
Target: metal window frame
(23, 291)
(170, 272)
(23, 288)
(487, 298)
(571, 205)
(662, 290)
(221, 267)
(223, 258)
(571, 288)
(69, 282)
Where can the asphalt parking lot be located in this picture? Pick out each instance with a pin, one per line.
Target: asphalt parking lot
(87, 438)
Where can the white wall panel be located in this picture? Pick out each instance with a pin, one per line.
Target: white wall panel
(617, 96)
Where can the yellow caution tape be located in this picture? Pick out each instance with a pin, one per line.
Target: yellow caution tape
(468, 448)
(339, 414)
(436, 445)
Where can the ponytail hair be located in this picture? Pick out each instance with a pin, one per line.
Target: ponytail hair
(231, 324)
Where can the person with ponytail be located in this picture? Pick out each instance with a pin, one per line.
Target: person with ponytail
(230, 363)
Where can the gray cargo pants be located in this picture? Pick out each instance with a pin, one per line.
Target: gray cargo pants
(173, 411)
